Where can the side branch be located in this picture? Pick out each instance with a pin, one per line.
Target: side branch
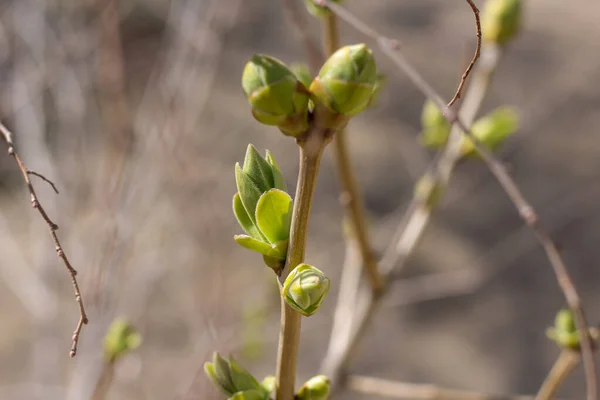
(83, 319)
(391, 49)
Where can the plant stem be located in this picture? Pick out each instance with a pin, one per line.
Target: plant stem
(105, 381)
(311, 151)
(350, 197)
(405, 241)
(564, 365)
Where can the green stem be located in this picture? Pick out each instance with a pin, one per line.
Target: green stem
(311, 151)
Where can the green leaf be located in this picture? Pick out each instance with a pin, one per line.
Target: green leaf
(222, 375)
(244, 219)
(242, 379)
(274, 215)
(278, 180)
(253, 244)
(248, 190)
(258, 169)
(250, 395)
(209, 370)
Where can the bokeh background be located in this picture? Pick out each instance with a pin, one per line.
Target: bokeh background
(134, 109)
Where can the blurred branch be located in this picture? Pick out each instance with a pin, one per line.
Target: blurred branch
(416, 219)
(351, 197)
(52, 228)
(525, 210)
(412, 391)
(297, 16)
(564, 365)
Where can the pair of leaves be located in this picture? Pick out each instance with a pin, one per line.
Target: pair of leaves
(262, 206)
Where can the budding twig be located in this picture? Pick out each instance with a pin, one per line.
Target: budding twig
(52, 228)
(525, 210)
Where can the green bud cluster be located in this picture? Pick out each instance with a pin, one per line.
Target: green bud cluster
(275, 94)
(344, 86)
(120, 339)
(316, 388)
(564, 332)
(317, 10)
(262, 207)
(501, 20)
(233, 380)
(305, 289)
(492, 130)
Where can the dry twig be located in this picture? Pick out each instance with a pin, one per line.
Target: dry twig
(83, 319)
(526, 212)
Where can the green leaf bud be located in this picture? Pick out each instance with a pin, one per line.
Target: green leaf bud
(492, 130)
(275, 94)
(316, 388)
(242, 379)
(305, 289)
(316, 10)
(435, 128)
(120, 339)
(231, 378)
(344, 85)
(245, 221)
(218, 373)
(501, 20)
(564, 332)
(258, 169)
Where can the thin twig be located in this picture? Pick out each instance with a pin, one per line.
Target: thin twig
(42, 177)
(465, 75)
(83, 319)
(413, 391)
(525, 210)
(351, 197)
(564, 365)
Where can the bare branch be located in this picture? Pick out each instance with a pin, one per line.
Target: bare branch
(391, 48)
(465, 75)
(83, 319)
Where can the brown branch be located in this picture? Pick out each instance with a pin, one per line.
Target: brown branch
(83, 319)
(562, 368)
(42, 177)
(391, 49)
(463, 78)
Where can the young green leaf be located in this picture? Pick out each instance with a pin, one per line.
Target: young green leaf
(242, 379)
(222, 375)
(244, 219)
(269, 384)
(248, 190)
(258, 169)
(253, 244)
(274, 215)
(278, 181)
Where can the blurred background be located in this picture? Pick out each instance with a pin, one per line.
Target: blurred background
(134, 109)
